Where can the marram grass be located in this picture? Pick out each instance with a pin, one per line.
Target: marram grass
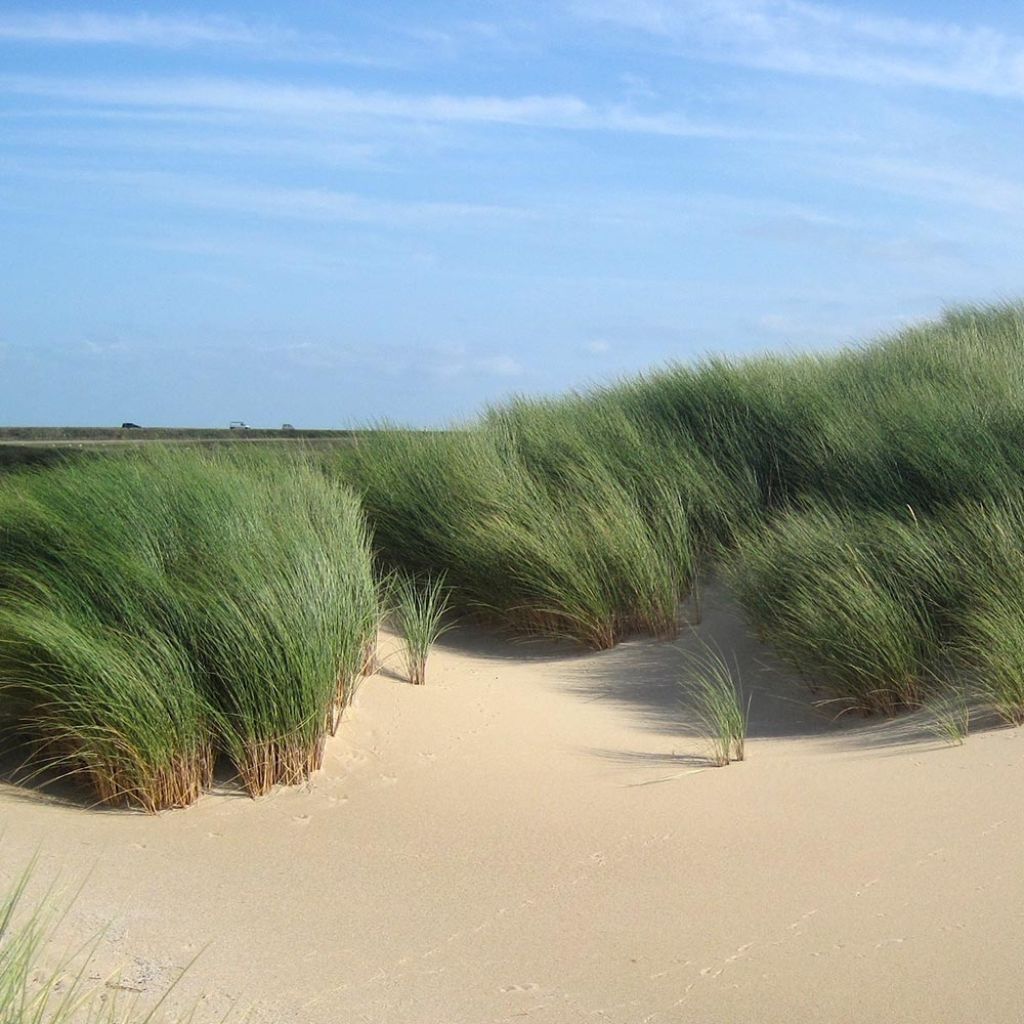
(714, 695)
(419, 607)
(44, 983)
(161, 608)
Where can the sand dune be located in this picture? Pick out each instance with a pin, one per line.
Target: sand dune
(535, 835)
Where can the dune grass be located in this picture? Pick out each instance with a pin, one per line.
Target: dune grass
(987, 550)
(843, 597)
(715, 696)
(832, 486)
(563, 519)
(159, 608)
(42, 983)
(949, 715)
(419, 607)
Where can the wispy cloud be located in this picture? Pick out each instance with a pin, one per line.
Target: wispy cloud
(265, 99)
(939, 184)
(320, 205)
(438, 361)
(91, 28)
(828, 40)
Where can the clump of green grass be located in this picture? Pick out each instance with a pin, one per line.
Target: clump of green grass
(158, 607)
(949, 715)
(120, 712)
(987, 548)
(715, 695)
(281, 607)
(90, 670)
(419, 607)
(843, 606)
(553, 521)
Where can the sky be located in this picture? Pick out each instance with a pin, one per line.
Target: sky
(334, 214)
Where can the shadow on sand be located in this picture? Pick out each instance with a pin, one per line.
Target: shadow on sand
(647, 677)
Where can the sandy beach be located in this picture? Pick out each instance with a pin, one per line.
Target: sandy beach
(535, 835)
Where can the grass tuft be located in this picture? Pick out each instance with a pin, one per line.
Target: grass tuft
(160, 608)
(949, 715)
(419, 607)
(714, 693)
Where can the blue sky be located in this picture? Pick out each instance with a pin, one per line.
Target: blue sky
(329, 214)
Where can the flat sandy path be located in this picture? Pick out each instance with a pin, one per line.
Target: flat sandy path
(533, 836)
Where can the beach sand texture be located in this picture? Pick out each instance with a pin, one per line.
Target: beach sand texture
(535, 836)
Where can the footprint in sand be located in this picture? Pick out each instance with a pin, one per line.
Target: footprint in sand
(528, 987)
(301, 819)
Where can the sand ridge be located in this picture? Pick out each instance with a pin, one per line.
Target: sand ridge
(535, 835)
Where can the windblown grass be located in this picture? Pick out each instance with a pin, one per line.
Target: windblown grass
(838, 487)
(844, 598)
(39, 985)
(715, 695)
(949, 715)
(158, 607)
(987, 550)
(561, 519)
(419, 607)
(159, 610)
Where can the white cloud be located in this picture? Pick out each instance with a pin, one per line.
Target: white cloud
(315, 204)
(498, 366)
(597, 347)
(828, 40)
(90, 28)
(281, 100)
(937, 183)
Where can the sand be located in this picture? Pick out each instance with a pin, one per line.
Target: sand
(536, 836)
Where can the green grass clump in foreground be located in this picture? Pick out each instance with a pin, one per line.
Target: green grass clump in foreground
(161, 607)
(39, 985)
(715, 695)
(419, 608)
